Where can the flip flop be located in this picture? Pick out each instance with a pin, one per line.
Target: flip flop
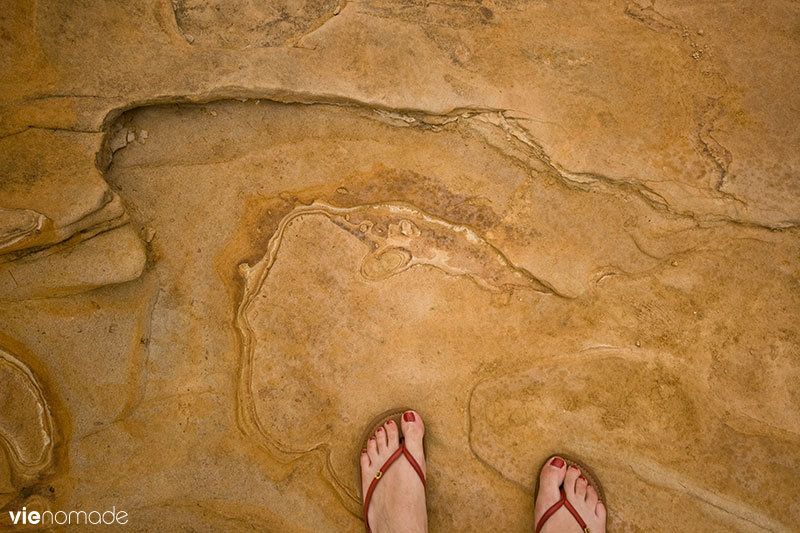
(381, 419)
(593, 480)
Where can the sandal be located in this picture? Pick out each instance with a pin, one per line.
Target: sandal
(593, 481)
(393, 414)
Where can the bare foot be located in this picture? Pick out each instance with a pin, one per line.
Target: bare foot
(579, 493)
(398, 501)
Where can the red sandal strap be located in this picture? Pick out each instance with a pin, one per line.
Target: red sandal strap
(556, 506)
(577, 516)
(402, 450)
(415, 466)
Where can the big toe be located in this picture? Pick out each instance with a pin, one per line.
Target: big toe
(413, 431)
(550, 479)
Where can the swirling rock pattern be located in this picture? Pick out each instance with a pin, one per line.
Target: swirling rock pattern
(26, 425)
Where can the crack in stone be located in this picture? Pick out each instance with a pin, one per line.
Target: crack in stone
(719, 156)
(47, 128)
(436, 120)
(69, 242)
(650, 17)
(585, 180)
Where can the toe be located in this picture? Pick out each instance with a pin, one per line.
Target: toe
(365, 462)
(550, 479)
(380, 439)
(392, 435)
(580, 488)
(413, 431)
(591, 497)
(570, 479)
(372, 449)
(366, 471)
(600, 511)
(413, 428)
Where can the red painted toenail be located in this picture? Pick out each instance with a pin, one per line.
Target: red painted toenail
(581, 477)
(363, 451)
(558, 462)
(379, 429)
(408, 416)
(372, 438)
(573, 466)
(390, 421)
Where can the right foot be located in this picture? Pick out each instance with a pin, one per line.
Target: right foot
(579, 493)
(398, 501)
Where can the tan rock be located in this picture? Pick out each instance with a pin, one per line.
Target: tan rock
(110, 257)
(51, 189)
(232, 233)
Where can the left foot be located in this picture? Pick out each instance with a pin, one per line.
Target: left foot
(398, 501)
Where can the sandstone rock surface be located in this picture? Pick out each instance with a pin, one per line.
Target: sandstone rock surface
(233, 232)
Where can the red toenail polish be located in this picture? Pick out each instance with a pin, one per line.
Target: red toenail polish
(408, 416)
(379, 429)
(558, 462)
(581, 477)
(372, 438)
(390, 421)
(573, 466)
(363, 451)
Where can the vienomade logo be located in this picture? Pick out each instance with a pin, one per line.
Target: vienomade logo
(61, 518)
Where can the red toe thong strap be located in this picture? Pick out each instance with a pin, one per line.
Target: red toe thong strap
(402, 450)
(556, 506)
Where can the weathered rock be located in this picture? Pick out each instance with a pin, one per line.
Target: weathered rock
(231, 233)
(114, 256)
(51, 189)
